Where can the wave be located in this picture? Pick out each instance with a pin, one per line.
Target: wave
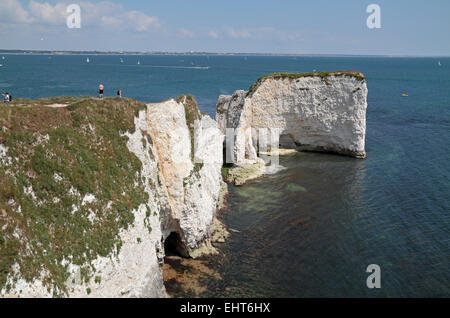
(273, 169)
(155, 66)
(182, 67)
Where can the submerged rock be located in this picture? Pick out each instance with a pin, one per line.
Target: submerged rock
(239, 175)
(293, 187)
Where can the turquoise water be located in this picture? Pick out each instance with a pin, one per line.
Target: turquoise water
(311, 229)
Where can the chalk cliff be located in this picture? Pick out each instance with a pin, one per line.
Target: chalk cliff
(91, 191)
(190, 168)
(323, 111)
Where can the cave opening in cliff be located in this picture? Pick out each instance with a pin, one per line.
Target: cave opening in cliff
(287, 141)
(173, 246)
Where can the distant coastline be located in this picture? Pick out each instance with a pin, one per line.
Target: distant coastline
(64, 52)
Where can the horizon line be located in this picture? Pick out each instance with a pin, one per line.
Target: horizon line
(114, 52)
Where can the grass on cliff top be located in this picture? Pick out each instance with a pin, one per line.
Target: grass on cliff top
(56, 156)
(324, 75)
(64, 100)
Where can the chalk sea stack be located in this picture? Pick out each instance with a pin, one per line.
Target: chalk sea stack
(323, 111)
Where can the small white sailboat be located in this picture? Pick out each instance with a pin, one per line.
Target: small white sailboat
(121, 60)
(439, 63)
(139, 62)
(3, 58)
(88, 60)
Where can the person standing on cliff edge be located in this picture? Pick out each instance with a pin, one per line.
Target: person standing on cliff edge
(100, 91)
(6, 98)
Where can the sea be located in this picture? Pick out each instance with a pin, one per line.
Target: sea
(313, 228)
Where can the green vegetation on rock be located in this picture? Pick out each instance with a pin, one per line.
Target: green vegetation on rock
(238, 175)
(293, 187)
(192, 114)
(324, 75)
(68, 186)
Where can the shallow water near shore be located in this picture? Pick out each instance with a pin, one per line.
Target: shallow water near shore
(311, 229)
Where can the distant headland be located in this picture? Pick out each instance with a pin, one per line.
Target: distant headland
(68, 52)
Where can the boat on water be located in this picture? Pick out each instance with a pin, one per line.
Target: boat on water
(139, 63)
(121, 60)
(439, 63)
(404, 95)
(3, 58)
(88, 60)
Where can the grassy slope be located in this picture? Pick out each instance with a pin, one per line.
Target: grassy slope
(64, 154)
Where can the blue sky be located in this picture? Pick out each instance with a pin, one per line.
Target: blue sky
(408, 27)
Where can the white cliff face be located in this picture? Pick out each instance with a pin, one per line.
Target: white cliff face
(136, 270)
(228, 110)
(183, 198)
(192, 180)
(311, 113)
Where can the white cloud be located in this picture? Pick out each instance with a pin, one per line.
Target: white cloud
(46, 13)
(185, 33)
(111, 21)
(213, 34)
(244, 33)
(262, 33)
(141, 21)
(12, 11)
(103, 14)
